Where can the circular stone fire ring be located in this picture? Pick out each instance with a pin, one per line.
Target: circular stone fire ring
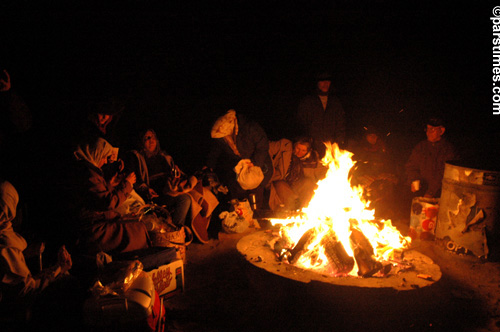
(423, 272)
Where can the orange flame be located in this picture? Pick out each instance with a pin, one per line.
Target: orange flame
(338, 207)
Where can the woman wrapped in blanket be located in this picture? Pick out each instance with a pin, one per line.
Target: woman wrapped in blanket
(161, 181)
(99, 203)
(15, 277)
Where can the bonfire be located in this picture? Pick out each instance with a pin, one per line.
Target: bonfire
(337, 232)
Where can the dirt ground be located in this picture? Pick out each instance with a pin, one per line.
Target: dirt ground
(224, 292)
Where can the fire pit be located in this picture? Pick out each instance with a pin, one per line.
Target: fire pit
(416, 270)
(336, 239)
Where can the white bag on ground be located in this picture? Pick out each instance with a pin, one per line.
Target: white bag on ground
(233, 223)
(243, 209)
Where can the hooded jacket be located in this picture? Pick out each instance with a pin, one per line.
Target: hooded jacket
(98, 198)
(15, 276)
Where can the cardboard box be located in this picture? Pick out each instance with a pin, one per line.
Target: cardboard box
(168, 279)
(139, 306)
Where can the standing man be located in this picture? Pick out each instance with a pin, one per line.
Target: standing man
(321, 115)
(425, 167)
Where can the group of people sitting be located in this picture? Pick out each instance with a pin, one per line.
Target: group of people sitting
(109, 186)
(113, 189)
(291, 169)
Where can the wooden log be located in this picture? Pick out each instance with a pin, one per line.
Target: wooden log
(301, 246)
(338, 258)
(363, 253)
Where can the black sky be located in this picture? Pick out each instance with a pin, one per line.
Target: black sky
(179, 66)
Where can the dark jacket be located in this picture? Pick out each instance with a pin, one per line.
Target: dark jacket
(252, 143)
(97, 199)
(149, 178)
(373, 160)
(15, 116)
(426, 163)
(90, 131)
(323, 125)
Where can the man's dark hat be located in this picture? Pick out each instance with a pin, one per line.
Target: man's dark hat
(435, 122)
(324, 76)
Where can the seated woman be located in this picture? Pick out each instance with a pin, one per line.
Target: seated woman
(161, 181)
(297, 169)
(98, 203)
(15, 277)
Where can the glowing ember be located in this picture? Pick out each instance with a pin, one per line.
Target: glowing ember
(337, 232)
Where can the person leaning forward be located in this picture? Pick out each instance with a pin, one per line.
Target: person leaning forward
(238, 141)
(98, 202)
(297, 169)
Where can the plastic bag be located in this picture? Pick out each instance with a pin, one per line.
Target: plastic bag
(233, 223)
(132, 204)
(116, 278)
(156, 218)
(243, 209)
(249, 177)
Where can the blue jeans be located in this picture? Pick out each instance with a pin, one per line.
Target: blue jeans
(178, 206)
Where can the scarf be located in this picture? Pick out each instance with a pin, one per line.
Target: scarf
(294, 172)
(226, 127)
(8, 204)
(96, 152)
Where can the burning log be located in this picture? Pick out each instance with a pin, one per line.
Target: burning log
(338, 259)
(363, 253)
(402, 276)
(337, 256)
(301, 246)
(339, 210)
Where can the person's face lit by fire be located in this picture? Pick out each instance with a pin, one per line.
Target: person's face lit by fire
(150, 142)
(300, 150)
(109, 159)
(4, 81)
(434, 133)
(372, 138)
(324, 86)
(103, 119)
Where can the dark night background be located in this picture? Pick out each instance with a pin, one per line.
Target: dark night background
(178, 67)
